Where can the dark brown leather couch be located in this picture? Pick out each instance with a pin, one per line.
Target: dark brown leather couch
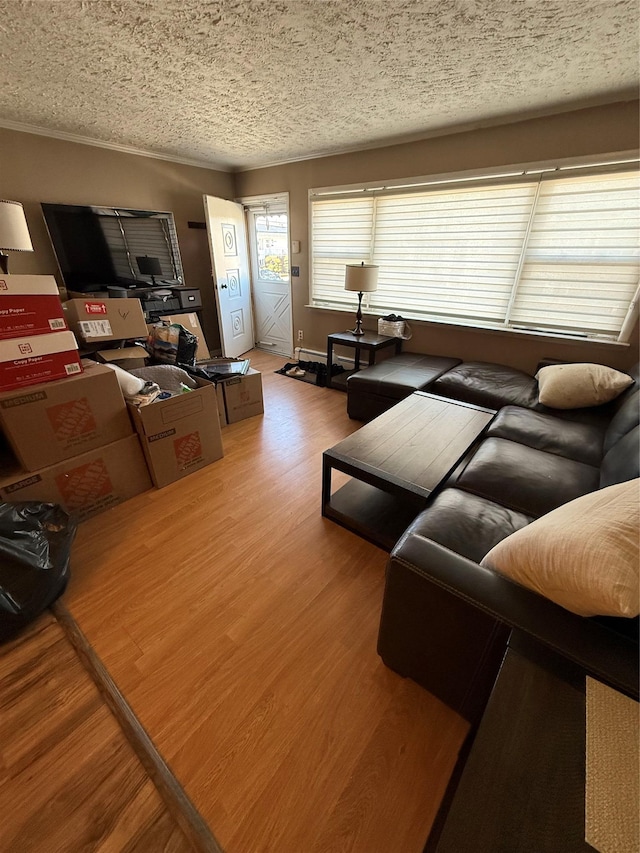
(445, 619)
(372, 391)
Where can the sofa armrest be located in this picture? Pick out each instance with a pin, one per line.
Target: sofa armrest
(600, 651)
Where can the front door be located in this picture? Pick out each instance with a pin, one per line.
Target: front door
(269, 244)
(230, 264)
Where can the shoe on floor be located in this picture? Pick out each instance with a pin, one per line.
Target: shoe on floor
(296, 372)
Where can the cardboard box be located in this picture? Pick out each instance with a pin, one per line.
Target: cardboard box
(87, 484)
(95, 320)
(222, 414)
(38, 358)
(127, 358)
(87, 294)
(192, 324)
(181, 434)
(53, 421)
(29, 305)
(243, 396)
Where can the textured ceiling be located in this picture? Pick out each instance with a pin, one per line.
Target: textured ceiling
(244, 83)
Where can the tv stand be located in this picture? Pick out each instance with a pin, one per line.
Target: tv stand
(160, 300)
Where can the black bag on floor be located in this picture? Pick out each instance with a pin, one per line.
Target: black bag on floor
(172, 344)
(35, 547)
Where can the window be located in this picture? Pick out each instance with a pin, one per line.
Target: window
(553, 252)
(271, 235)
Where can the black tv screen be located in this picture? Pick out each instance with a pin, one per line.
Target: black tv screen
(100, 246)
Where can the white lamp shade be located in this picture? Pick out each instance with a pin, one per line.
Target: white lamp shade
(362, 278)
(14, 234)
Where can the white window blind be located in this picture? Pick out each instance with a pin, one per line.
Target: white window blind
(538, 252)
(580, 266)
(342, 234)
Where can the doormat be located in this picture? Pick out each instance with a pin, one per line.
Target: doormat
(315, 372)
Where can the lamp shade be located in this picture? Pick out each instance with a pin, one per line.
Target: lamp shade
(362, 278)
(14, 234)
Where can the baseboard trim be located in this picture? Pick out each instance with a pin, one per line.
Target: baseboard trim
(302, 354)
(176, 800)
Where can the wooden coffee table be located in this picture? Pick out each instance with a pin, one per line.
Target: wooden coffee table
(396, 462)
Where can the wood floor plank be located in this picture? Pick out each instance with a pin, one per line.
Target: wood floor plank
(69, 780)
(241, 628)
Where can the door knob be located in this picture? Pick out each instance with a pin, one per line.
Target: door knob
(223, 286)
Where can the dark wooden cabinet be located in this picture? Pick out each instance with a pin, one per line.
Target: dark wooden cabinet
(522, 786)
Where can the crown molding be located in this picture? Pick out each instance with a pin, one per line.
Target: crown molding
(486, 123)
(112, 146)
(388, 142)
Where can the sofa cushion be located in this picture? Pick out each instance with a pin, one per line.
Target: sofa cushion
(365, 407)
(467, 524)
(622, 461)
(528, 480)
(400, 375)
(491, 385)
(575, 386)
(584, 556)
(582, 442)
(625, 419)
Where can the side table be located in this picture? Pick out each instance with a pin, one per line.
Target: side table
(369, 342)
(523, 784)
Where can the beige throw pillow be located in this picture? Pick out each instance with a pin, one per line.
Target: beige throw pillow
(575, 386)
(584, 555)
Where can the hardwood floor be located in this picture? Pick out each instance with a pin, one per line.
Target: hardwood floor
(69, 781)
(241, 628)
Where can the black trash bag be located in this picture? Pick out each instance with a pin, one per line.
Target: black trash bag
(172, 344)
(35, 547)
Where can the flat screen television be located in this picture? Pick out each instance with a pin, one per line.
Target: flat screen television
(100, 246)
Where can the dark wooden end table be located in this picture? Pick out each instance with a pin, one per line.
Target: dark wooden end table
(369, 342)
(395, 463)
(522, 785)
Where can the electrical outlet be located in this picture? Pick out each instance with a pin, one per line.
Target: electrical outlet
(300, 335)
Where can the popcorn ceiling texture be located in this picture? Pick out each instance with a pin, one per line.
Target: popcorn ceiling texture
(240, 84)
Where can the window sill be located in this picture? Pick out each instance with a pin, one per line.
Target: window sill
(488, 329)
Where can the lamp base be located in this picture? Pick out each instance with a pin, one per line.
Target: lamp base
(358, 329)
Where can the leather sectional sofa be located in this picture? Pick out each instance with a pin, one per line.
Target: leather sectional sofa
(446, 620)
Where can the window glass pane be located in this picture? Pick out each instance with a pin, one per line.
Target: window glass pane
(272, 246)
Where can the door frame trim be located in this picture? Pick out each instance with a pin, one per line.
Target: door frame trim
(250, 204)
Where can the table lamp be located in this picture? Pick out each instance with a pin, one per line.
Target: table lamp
(362, 278)
(14, 233)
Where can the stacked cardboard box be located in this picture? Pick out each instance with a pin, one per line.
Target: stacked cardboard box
(71, 442)
(97, 321)
(181, 434)
(238, 397)
(100, 322)
(35, 345)
(66, 436)
(29, 305)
